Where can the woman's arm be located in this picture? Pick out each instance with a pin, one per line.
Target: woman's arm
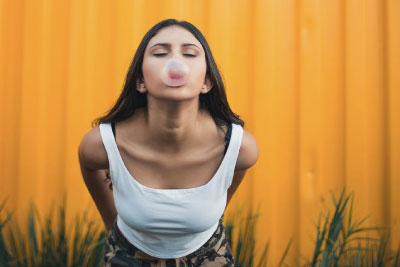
(237, 179)
(248, 155)
(93, 162)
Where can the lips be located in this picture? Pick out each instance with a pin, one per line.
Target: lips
(175, 80)
(175, 76)
(175, 73)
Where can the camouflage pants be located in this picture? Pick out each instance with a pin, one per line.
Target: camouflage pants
(216, 252)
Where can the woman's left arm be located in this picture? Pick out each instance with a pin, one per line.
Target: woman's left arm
(248, 155)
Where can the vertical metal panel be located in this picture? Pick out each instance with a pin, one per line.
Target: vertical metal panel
(317, 83)
(392, 58)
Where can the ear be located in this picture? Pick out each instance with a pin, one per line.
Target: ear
(140, 86)
(206, 86)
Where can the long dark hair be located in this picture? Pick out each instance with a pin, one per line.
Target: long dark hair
(215, 101)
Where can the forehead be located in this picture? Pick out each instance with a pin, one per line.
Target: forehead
(175, 35)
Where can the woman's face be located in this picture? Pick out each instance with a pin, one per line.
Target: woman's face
(178, 43)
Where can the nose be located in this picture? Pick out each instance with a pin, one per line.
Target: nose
(175, 72)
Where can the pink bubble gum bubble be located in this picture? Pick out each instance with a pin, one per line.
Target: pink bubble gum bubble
(175, 72)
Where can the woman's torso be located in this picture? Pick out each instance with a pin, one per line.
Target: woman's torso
(175, 222)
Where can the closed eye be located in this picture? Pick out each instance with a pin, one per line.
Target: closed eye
(164, 54)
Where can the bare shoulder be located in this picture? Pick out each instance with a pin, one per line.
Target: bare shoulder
(91, 151)
(248, 153)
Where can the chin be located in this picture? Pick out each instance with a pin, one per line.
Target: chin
(176, 96)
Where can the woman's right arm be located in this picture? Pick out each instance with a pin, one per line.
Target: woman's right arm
(93, 163)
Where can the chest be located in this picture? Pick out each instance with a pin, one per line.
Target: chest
(174, 170)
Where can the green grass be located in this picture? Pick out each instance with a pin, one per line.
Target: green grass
(51, 242)
(334, 245)
(244, 247)
(334, 242)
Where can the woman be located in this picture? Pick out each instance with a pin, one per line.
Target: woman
(175, 153)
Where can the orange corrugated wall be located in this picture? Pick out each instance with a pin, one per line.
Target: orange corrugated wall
(317, 83)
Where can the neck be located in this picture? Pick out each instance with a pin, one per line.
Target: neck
(172, 124)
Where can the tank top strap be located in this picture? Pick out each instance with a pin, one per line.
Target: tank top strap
(110, 145)
(113, 129)
(228, 137)
(233, 152)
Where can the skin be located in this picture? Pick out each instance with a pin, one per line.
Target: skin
(170, 139)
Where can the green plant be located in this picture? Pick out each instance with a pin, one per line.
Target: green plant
(244, 247)
(4, 254)
(333, 249)
(333, 244)
(51, 243)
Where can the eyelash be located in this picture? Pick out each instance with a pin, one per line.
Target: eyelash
(163, 54)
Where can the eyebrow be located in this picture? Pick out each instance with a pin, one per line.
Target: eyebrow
(168, 44)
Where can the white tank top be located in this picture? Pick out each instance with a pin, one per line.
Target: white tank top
(169, 223)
